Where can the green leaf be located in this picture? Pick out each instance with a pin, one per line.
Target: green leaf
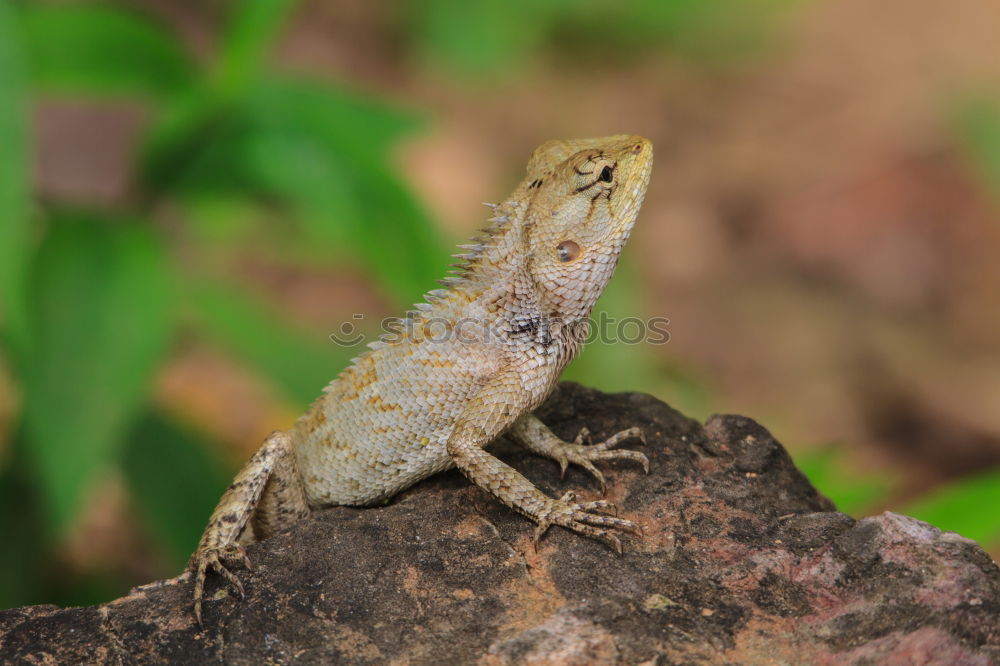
(968, 507)
(249, 33)
(207, 119)
(90, 48)
(99, 320)
(180, 149)
(323, 155)
(362, 128)
(326, 152)
(201, 142)
(15, 167)
(317, 186)
(158, 453)
(301, 364)
(396, 240)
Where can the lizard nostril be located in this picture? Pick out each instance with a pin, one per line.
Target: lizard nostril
(637, 148)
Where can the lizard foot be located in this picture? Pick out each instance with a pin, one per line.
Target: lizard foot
(581, 518)
(582, 454)
(216, 559)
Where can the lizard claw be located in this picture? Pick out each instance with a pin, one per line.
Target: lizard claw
(214, 558)
(583, 519)
(582, 454)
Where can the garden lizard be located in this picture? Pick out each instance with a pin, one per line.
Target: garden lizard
(464, 367)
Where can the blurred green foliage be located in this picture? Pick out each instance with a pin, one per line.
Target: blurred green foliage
(968, 507)
(852, 490)
(498, 39)
(15, 167)
(170, 509)
(94, 299)
(978, 128)
(615, 362)
(94, 49)
(98, 325)
(246, 156)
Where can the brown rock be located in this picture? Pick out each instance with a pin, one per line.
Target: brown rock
(742, 562)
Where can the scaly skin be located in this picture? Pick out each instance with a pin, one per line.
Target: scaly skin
(465, 367)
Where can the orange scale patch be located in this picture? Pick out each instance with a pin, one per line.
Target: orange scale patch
(378, 403)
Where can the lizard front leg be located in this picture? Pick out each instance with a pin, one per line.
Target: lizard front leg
(265, 496)
(485, 418)
(529, 432)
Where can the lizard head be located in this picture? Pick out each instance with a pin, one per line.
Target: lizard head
(583, 198)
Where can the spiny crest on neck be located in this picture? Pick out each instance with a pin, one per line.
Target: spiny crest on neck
(461, 273)
(473, 252)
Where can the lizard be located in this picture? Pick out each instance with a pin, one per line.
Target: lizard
(467, 365)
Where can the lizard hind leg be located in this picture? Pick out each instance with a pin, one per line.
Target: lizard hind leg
(529, 432)
(266, 495)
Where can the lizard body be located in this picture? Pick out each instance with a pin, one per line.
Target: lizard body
(468, 365)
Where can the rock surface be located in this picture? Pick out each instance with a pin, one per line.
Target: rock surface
(742, 562)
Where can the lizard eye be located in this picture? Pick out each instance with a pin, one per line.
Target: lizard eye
(567, 251)
(607, 175)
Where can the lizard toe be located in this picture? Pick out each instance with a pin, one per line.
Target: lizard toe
(215, 559)
(583, 518)
(585, 455)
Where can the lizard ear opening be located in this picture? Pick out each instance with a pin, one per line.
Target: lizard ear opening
(568, 251)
